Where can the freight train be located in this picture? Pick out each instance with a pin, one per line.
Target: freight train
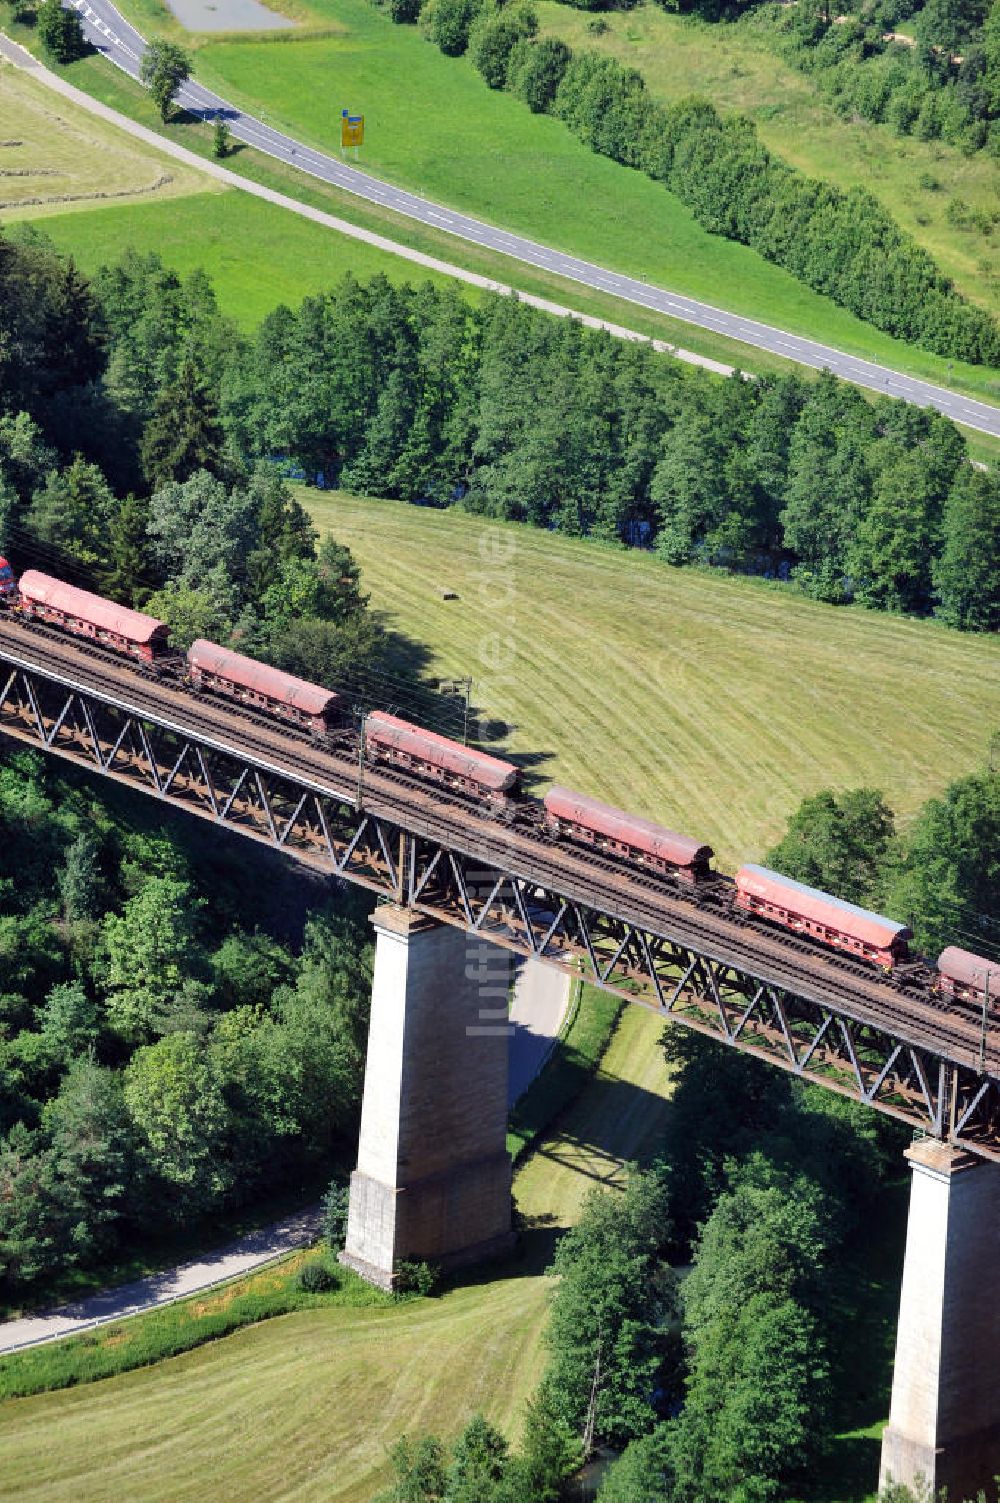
(493, 785)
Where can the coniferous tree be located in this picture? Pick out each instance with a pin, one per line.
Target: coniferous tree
(183, 434)
(74, 512)
(967, 574)
(128, 577)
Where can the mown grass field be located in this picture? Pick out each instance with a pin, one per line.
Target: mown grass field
(304, 1406)
(680, 55)
(714, 704)
(54, 158)
(447, 134)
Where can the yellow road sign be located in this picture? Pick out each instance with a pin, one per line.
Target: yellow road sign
(352, 129)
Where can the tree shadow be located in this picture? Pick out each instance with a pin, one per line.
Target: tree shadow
(865, 1300)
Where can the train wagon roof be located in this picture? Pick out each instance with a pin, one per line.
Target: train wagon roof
(313, 699)
(42, 589)
(821, 907)
(492, 772)
(970, 969)
(644, 834)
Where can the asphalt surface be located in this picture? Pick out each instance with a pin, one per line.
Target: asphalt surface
(113, 36)
(541, 995)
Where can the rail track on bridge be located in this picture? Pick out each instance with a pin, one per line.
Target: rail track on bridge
(889, 1043)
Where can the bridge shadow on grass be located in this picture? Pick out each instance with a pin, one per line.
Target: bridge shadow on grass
(611, 1123)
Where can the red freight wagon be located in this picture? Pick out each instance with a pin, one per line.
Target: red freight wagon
(87, 615)
(835, 922)
(389, 739)
(251, 683)
(609, 829)
(8, 584)
(966, 976)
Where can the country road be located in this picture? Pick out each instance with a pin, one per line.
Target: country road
(117, 40)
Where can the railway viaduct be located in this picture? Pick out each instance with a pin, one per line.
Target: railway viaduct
(462, 892)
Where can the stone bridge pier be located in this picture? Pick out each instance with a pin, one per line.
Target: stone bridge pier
(944, 1422)
(433, 1180)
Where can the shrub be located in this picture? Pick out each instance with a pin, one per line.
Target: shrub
(497, 31)
(416, 1278)
(447, 24)
(316, 1278)
(335, 1204)
(536, 70)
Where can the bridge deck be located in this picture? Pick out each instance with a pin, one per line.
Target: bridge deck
(698, 921)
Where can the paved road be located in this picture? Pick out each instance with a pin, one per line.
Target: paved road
(541, 994)
(112, 35)
(229, 1262)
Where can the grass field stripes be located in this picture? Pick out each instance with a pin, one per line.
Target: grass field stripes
(714, 704)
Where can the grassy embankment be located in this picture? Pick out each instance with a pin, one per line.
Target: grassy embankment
(447, 135)
(95, 190)
(679, 55)
(710, 702)
(450, 137)
(259, 255)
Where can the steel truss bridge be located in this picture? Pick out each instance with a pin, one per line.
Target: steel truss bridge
(685, 954)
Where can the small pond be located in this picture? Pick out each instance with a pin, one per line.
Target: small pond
(227, 15)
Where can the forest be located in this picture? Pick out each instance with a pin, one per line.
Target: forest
(168, 1049)
(843, 245)
(144, 441)
(164, 1057)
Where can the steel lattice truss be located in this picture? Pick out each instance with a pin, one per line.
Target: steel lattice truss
(944, 1094)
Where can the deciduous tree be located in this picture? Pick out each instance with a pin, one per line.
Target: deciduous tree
(179, 1114)
(967, 574)
(838, 842)
(164, 68)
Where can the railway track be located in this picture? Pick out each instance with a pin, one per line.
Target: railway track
(699, 919)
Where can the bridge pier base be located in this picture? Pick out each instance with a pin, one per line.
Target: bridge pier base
(944, 1422)
(434, 1176)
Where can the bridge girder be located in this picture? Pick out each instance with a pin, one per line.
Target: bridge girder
(328, 827)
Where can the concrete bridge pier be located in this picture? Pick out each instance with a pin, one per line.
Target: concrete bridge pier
(434, 1175)
(944, 1422)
